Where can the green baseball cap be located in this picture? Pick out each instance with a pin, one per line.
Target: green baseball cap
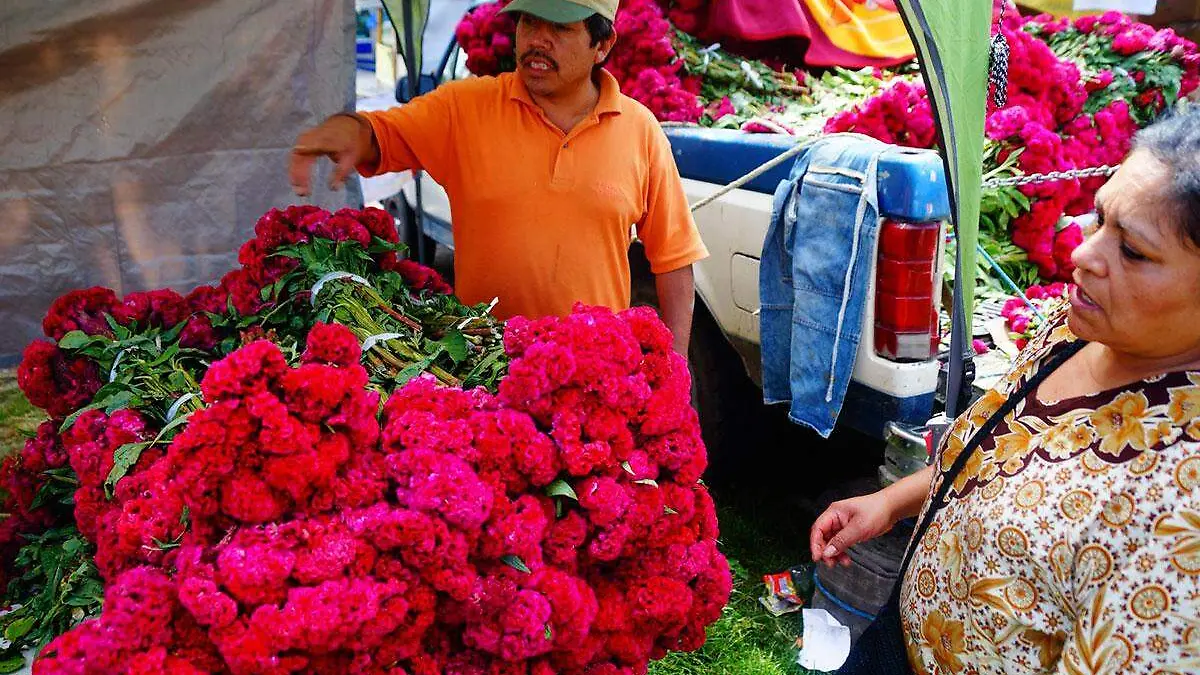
(565, 11)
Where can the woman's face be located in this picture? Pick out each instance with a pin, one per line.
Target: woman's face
(1138, 276)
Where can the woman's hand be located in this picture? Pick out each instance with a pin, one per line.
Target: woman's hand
(849, 522)
(853, 521)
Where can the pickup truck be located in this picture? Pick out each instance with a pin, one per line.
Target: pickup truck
(896, 371)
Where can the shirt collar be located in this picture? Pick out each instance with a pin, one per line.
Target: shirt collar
(608, 103)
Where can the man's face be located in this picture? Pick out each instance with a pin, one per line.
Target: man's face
(555, 58)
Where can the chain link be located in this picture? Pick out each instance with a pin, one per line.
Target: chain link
(1053, 176)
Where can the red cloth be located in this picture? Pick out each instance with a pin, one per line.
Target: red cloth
(782, 31)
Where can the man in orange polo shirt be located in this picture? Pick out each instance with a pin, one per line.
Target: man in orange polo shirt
(547, 169)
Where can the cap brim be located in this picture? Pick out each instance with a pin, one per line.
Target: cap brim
(554, 11)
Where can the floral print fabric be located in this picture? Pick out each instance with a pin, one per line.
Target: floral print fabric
(1070, 542)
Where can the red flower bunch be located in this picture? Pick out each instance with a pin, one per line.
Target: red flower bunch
(901, 114)
(1103, 138)
(1047, 86)
(91, 444)
(291, 226)
(489, 39)
(1022, 321)
(1131, 38)
(647, 66)
(557, 527)
(1057, 117)
(54, 381)
(82, 310)
(22, 477)
(1124, 59)
(145, 630)
(161, 309)
(417, 276)
(262, 265)
(689, 16)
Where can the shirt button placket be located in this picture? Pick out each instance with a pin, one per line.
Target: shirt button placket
(559, 178)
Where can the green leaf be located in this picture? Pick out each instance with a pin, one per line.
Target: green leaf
(124, 458)
(17, 629)
(79, 601)
(516, 563)
(179, 421)
(118, 330)
(57, 489)
(455, 344)
(411, 371)
(119, 400)
(628, 468)
(561, 488)
(380, 245)
(168, 545)
(1021, 199)
(1010, 207)
(670, 511)
(549, 633)
(167, 354)
(647, 481)
(178, 380)
(473, 378)
(173, 333)
(12, 664)
(70, 419)
(74, 340)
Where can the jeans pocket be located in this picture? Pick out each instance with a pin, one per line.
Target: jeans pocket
(825, 215)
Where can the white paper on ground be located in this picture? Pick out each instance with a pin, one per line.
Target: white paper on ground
(1144, 7)
(826, 641)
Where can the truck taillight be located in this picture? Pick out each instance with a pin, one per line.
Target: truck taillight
(905, 315)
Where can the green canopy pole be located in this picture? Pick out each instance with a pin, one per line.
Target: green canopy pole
(952, 40)
(408, 19)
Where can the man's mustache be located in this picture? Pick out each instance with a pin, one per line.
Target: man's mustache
(537, 53)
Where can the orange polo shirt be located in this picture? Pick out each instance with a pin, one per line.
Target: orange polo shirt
(541, 218)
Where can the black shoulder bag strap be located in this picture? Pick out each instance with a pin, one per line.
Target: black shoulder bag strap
(1010, 403)
(881, 650)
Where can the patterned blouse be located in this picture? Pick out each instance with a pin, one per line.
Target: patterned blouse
(1071, 541)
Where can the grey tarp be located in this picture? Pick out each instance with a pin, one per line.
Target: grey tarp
(141, 139)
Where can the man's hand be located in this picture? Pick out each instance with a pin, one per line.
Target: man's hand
(344, 138)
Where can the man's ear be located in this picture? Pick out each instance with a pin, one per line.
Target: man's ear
(606, 48)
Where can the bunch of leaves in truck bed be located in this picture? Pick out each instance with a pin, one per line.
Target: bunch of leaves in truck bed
(724, 74)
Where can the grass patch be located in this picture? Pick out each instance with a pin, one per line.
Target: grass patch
(765, 506)
(759, 537)
(18, 418)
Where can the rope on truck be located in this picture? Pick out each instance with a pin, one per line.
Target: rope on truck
(1014, 181)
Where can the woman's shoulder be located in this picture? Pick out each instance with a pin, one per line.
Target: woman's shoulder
(1055, 331)
(1053, 335)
